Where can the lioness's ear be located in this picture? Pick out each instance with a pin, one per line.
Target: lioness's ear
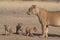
(34, 6)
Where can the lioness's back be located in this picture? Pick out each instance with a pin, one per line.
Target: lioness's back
(54, 17)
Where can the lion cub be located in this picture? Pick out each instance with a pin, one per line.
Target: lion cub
(19, 28)
(29, 30)
(8, 29)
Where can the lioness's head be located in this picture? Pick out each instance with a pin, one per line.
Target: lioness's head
(30, 10)
(33, 6)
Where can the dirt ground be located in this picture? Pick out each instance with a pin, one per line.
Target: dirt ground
(14, 12)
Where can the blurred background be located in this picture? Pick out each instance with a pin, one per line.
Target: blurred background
(32, 0)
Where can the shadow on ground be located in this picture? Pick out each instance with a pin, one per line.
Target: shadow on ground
(36, 34)
(54, 35)
(50, 35)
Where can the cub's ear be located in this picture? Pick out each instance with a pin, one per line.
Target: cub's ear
(6, 25)
(21, 24)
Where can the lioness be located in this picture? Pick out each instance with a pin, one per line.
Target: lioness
(45, 17)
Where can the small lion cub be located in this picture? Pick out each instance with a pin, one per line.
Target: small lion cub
(19, 28)
(29, 30)
(8, 29)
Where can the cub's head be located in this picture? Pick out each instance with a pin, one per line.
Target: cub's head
(34, 29)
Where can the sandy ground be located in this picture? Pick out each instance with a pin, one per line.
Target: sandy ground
(14, 12)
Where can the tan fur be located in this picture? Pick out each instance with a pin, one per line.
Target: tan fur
(29, 30)
(8, 29)
(19, 28)
(46, 18)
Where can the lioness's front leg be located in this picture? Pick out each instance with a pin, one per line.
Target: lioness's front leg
(43, 20)
(44, 27)
(44, 30)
